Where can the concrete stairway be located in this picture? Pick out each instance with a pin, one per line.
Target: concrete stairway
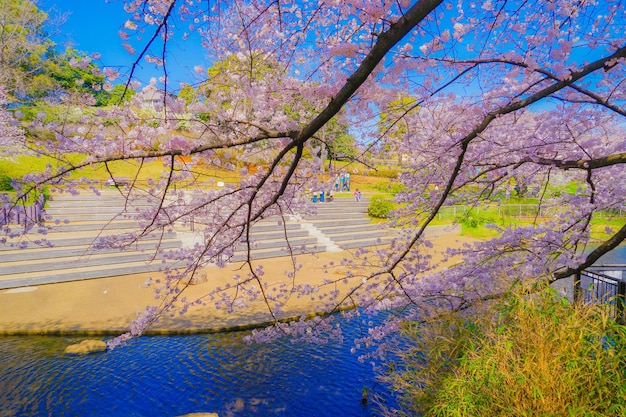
(345, 222)
(68, 253)
(268, 239)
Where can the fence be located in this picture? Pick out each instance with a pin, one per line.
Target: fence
(603, 285)
(23, 214)
(514, 210)
(504, 210)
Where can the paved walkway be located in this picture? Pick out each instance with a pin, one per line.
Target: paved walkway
(108, 305)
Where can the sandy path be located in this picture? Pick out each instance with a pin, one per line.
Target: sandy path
(107, 305)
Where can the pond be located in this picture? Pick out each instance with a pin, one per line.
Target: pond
(174, 375)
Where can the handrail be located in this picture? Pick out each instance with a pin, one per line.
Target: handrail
(26, 214)
(603, 289)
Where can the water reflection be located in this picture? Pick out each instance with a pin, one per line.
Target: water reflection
(169, 376)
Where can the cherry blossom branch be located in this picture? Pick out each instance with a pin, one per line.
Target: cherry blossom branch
(465, 141)
(490, 117)
(582, 164)
(384, 43)
(549, 75)
(157, 32)
(590, 259)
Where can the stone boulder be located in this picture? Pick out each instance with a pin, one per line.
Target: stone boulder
(86, 346)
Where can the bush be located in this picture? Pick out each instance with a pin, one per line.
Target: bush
(473, 220)
(5, 183)
(380, 207)
(538, 356)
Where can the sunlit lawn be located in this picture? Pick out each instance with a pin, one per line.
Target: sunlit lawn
(20, 166)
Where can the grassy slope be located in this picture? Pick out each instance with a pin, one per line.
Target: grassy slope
(23, 165)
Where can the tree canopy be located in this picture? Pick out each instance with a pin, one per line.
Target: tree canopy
(23, 44)
(35, 69)
(499, 90)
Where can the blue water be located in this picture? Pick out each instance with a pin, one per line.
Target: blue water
(174, 375)
(616, 256)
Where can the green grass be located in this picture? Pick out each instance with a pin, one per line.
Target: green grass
(23, 165)
(599, 225)
(481, 232)
(573, 187)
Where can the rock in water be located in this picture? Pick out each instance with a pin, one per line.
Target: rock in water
(86, 346)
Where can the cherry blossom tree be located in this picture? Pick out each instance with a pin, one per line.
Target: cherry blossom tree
(497, 90)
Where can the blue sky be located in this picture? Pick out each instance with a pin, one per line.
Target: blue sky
(92, 26)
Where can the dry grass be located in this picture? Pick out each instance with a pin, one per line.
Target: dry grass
(540, 357)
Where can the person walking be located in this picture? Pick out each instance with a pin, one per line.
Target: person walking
(357, 195)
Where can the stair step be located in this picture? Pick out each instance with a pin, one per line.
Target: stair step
(91, 218)
(275, 253)
(331, 224)
(341, 230)
(73, 239)
(367, 234)
(25, 280)
(366, 243)
(279, 243)
(45, 265)
(76, 251)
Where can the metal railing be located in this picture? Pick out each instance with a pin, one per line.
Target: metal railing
(501, 210)
(605, 285)
(516, 211)
(23, 214)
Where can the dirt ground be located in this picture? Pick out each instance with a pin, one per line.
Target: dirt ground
(108, 305)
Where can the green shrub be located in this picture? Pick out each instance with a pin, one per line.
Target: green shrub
(473, 219)
(5, 183)
(531, 355)
(380, 206)
(66, 114)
